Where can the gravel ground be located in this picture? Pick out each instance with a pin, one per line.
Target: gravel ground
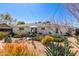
(40, 48)
(75, 46)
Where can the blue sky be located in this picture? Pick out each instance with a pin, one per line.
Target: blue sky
(33, 12)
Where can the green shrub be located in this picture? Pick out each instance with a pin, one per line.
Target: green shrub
(17, 36)
(3, 35)
(52, 38)
(20, 33)
(38, 37)
(59, 38)
(47, 39)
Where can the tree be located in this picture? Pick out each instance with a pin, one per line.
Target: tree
(20, 22)
(48, 22)
(39, 21)
(6, 17)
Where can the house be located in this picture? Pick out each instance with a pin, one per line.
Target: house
(44, 28)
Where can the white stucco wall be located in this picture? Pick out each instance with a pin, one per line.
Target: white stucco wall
(47, 30)
(27, 29)
(15, 29)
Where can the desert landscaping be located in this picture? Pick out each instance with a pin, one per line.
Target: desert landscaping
(32, 30)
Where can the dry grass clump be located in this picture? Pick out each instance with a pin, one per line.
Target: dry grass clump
(16, 49)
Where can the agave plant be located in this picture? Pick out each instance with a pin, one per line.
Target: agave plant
(55, 49)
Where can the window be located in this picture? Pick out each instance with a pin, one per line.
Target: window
(43, 28)
(21, 28)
